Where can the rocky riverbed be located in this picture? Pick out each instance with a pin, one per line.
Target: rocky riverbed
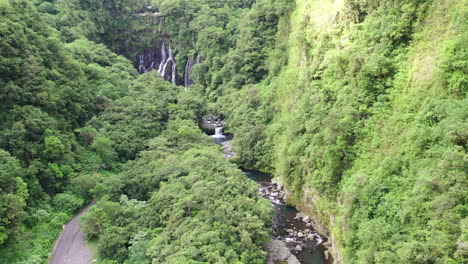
(293, 238)
(294, 241)
(299, 232)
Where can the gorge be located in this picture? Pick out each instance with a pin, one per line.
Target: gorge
(341, 123)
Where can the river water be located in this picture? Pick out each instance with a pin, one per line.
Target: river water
(288, 225)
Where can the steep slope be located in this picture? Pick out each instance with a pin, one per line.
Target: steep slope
(366, 126)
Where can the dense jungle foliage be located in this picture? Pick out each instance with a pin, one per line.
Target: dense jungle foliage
(366, 125)
(73, 112)
(358, 106)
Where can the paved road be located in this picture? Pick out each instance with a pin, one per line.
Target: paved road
(70, 247)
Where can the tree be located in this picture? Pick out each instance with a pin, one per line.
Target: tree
(13, 195)
(105, 150)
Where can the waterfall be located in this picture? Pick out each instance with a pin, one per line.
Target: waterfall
(163, 58)
(151, 66)
(218, 132)
(167, 56)
(174, 66)
(141, 66)
(165, 61)
(141, 63)
(188, 70)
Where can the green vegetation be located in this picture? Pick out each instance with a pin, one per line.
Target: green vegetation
(179, 202)
(48, 89)
(358, 106)
(74, 112)
(365, 124)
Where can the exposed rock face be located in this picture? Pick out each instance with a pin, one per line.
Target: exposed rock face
(188, 70)
(279, 252)
(160, 58)
(209, 123)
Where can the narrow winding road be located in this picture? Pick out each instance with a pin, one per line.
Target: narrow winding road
(70, 247)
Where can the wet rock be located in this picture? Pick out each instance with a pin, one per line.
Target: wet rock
(278, 251)
(293, 260)
(298, 248)
(226, 146)
(300, 234)
(300, 215)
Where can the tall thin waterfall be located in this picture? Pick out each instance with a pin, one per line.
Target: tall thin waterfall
(174, 66)
(141, 63)
(163, 58)
(166, 61)
(188, 70)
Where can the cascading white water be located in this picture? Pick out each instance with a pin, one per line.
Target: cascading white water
(163, 58)
(141, 63)
(165, 62)
(174, 67)
(150, 67)
(167, 56)
(188, 70)
(218, 132)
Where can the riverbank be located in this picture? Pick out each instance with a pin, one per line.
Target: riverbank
(292, 230)
(294, 239)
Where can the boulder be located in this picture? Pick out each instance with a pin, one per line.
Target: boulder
(300, 215)
(278, 251)
(298, 248)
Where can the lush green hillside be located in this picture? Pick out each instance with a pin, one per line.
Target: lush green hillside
(73, 113)
(357, 106)
(48, 89)
(366, 125)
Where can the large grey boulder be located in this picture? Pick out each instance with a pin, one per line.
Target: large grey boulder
(278, 251)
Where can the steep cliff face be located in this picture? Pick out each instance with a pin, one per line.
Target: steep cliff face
(366, 125)
(161, 60)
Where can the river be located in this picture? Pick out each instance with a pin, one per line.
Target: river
(291, 227)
